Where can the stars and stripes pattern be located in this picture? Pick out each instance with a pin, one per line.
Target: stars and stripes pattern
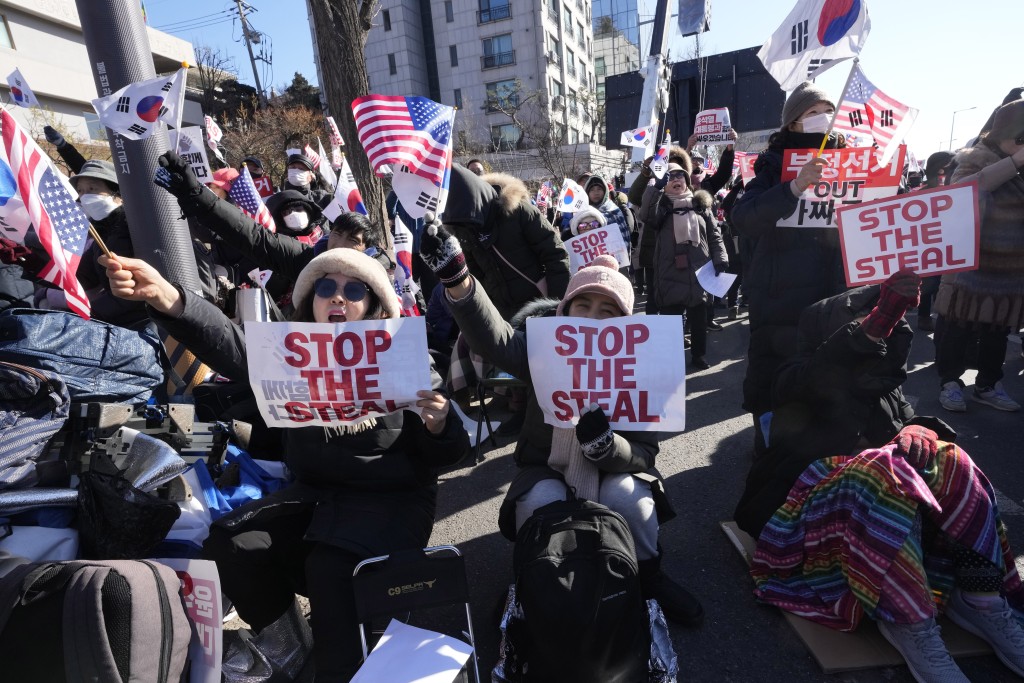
(245, 196)
(59, 221)
(868, 113)
(411, 131)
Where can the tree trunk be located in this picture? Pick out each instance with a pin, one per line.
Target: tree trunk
(341, 30)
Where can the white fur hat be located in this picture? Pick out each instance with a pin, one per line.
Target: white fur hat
(354, 264)
(588, 213)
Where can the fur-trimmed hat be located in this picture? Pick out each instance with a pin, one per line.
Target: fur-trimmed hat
(354, 264)
(800, 100)
(224, 178)
(588, 213)
(600, 276)
(1008, 123)
(301, 159)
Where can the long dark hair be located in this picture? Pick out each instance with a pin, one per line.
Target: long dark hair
(304, 310)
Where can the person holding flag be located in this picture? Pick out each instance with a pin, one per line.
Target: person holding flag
(790, 268)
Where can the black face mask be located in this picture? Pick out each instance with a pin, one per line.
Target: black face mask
(796, 140)
(914, 181)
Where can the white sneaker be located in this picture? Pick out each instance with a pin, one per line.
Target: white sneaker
(952, 398)
(922, 647)
(998, 627)
(995, 397)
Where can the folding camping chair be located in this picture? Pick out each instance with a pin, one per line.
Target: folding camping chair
(502, 379)
(411, 580)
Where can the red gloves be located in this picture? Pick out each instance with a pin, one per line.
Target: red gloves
(901, 291)
(917, 445)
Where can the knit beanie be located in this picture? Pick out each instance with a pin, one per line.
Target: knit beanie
(600, 276)
(587, 213)
(300, 159)
(223, 178)
(1009, 122)
(354, 264)
(800, 100)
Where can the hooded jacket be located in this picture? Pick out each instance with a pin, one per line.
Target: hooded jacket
(613, 214)
(313, 230)
(510, 247)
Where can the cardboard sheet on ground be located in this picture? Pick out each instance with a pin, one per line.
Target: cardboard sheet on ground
(852, 177)
(318, 374)
(929, 232)
(200, 592)
(586, 247)
(865, 648)
(190, 147)
(632, 367)
(715, 285)
(713, 127)
(406, 654)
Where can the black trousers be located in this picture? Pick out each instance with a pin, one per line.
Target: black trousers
(264, 561)
(952, 352)
(697, 316)
(652, 300)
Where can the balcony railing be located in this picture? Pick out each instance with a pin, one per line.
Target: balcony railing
(553, 13)
(485, 16)
(572, 71)
(498, 59)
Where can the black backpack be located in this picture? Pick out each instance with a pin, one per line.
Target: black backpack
(578, 592)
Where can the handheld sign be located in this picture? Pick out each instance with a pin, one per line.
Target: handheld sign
(317, 374)
(745, 160)
(632, 367)
(190, 147)
(713, 127)
(852, 177)
(929, 232)
(586, 247)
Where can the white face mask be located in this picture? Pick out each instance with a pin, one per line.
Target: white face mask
(297, 220)
(817, 124)
(298, 177)
(98, 206)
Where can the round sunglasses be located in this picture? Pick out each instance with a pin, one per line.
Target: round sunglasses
(353, 290)
(676, 175)
(590, 225)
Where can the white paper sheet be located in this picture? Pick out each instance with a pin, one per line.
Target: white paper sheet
(406, 654)
(715, 285)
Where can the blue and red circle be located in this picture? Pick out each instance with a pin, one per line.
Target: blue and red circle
(836, 19)
(148, 108)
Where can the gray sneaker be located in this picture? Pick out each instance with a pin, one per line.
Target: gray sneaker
(998, 627)
(952, 398)
(922, 647)
(995, 397)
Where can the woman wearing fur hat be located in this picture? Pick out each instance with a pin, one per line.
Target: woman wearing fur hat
(988, 301)
(686, 237)
(613, 468)
(790, 268)
(359, 491)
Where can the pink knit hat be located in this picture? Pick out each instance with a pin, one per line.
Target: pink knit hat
(600, 276)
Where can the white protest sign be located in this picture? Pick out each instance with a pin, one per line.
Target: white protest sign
(408, 654)
(586, 247)
(200, 593)
(929, 232)
(852, 177)
(190, 147)
(632, 367)
(319, 374)
(715, 285)
(712, 127)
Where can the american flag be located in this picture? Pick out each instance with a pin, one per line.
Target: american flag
(867, 112)
(411, 131)
(59, 221)
(312, 156)
(243, 193)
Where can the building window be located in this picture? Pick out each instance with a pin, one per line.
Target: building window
(567, 15)
(570, 62)
(556, 88)
(7, 41)
(554, 50)
(502, 96)
(493, 10)
(392, 65)
(579, 34)
(387, 20)
(583, 72)
(505, 137)
(498, 52)
(453, 52)
(458, 98)
(600, 92)
(599, 67)
(558, 133)
(449, 12)
(572, 102)
(97, 131)
(574, 136)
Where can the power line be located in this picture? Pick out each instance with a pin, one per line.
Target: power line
(193, 27)
(204, 17)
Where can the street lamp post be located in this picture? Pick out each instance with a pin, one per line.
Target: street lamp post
(953, 124)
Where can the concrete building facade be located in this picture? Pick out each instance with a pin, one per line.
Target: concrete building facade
(43, 38)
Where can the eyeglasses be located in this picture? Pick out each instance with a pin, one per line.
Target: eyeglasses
(327, 287)
(677, 175)
(697, 170)
(590, 225)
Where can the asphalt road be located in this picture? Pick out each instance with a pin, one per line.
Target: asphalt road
(704, 469)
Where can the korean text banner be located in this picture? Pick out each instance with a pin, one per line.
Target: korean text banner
(586, 247)
(713, 127)
(317, 374)
(852, 177)
(631, 367)
(929, 232)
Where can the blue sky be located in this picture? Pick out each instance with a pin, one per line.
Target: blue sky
(926, 53)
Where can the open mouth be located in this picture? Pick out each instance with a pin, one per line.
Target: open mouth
(336, 316)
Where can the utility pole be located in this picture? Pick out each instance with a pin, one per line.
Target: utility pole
(248, 45)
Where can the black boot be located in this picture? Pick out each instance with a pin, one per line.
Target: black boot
(676, 602)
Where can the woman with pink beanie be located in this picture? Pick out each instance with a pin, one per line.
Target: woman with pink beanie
(613, 468)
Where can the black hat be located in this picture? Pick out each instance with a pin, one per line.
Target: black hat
(301, 159)
(253, 161)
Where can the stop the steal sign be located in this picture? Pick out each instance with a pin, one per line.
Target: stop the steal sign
(929, 232)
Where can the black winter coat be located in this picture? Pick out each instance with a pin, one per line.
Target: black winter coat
(105, 306)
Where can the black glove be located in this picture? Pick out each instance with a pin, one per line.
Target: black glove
(594, 433)
(442, 253)
(721, 268)
(53, 137)
(175, 175)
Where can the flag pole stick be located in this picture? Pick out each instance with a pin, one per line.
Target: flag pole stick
(451, 153)
(99, 240)
(181, 107)
(832, 123)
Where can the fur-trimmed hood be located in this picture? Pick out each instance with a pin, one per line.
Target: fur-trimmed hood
(702, 200)
(538, 308)
(511, 190)
(972, 160)
(471, 197)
